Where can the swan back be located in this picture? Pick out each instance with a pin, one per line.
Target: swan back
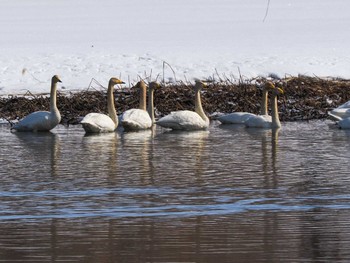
(98, 123)
(183, 120)
(136, 119)
(235, 117)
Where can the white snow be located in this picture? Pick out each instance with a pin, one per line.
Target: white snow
(84, 39)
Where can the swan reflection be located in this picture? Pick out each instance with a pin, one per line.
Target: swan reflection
(97, 140)
(141, 136)
(137, 154)
(269, 152)
(44, 147)
(99, 153)
(182, 154)
(189, 136)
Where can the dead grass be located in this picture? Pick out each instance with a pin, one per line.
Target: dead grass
(305, 98)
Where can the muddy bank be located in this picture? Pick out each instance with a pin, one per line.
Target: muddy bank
(305, 98)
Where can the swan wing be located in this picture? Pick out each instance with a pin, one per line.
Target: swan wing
(136, 119)
(334, 116)
(235, 117)
(339, 113)
(259, 121)
(346, 105)
(183, 120)
(38, 121)
(97, 122)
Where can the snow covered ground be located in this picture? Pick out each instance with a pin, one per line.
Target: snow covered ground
(84, 39)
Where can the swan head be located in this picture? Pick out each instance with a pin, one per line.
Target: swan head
(199, 85)
(140, 85)
(114, 81)
(56, 79)
(278, 91)
(154, 85)
(269, 86)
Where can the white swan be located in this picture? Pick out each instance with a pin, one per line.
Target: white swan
(42, 120)
(187, 120)
(342, 121)
(137, 119)
(98, 122)
(241, 117)
(341, 112)
(150, 107)
(260, 121)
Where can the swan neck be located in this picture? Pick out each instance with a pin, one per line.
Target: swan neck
(110, 104)
(150, 108)
(263, 109)
(53, 97)
(198, 106)
(143, 97)
(274, 114)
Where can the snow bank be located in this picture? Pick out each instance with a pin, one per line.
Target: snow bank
(85, 39)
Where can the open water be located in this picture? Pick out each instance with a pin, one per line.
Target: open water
(229, 194)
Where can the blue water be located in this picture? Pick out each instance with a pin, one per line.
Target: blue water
(229, 194)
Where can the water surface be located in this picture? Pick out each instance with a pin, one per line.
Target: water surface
(229, 194)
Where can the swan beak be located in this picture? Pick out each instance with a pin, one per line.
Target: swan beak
(56, 78)
(280, 91)
(269, 85)
(202, 82)
(116, 81)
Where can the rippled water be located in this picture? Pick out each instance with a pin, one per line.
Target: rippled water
(229, 194)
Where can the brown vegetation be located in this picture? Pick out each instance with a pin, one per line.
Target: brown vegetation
(305, 98)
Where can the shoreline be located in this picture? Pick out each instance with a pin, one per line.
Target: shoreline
(306, 98)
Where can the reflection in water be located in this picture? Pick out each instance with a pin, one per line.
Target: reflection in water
(43, 147)
(269, 145)
(181, 156)
(137, 151)
(223, 195)
(100, 153)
